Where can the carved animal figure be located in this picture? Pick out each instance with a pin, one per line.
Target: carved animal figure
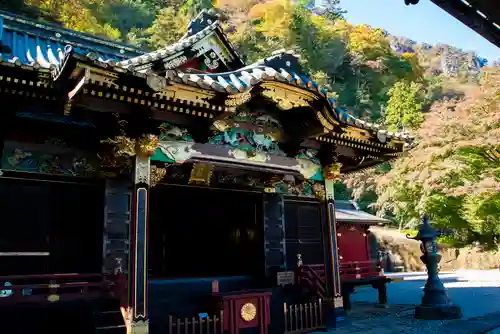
(18, 156)
(267, 121)
(169, 131)
(178, 152)
(232, 138)
(262, 141)
(81, 167)
(308, 168)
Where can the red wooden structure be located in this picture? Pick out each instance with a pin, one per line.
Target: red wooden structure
(356, 264)
(245, 309)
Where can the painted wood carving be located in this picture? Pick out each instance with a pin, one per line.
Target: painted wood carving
(251, 135)
(309, 164)
(175, 145)
(52, 157)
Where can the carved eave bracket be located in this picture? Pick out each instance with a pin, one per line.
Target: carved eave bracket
(287, 97)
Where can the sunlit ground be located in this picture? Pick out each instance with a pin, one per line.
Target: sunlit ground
(476, 291)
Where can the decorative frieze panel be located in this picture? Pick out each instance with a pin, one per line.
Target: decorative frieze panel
(52, 157)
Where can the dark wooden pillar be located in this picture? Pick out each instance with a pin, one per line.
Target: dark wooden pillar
(332, 256)
(116, 226)
(138, 249)
(274, 234)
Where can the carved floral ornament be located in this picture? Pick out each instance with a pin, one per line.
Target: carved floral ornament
(332, 172)
(286, 98)
(129, 147)
(238, 99)
(156, 175)
(248, 312)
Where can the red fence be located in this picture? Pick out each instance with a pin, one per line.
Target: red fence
(52, 288)
(360, 269)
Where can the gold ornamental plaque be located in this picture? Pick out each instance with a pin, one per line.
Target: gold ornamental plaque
(248, 312)
(53, 298)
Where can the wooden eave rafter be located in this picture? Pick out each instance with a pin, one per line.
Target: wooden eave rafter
(26, 82)
(174, 97)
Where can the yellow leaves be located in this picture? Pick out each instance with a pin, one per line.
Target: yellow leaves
(368, 41)
(275, 18)
(235, 5)
(417, 73)
(76, 15)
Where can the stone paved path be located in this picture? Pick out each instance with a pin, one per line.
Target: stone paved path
(367, 319)
(476, 292)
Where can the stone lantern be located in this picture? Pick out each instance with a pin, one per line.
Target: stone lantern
(435, 303)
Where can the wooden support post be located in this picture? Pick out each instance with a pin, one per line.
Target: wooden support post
(382, 292)
(332, 257)
(138, 249)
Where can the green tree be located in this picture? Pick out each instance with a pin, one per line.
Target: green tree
(168, 27)
(404, 108)
(191, 8)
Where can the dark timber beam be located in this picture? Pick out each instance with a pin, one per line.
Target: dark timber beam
(468, 15)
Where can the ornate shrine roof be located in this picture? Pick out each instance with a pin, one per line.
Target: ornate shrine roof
(43, 46)
(244, 79)
(203, 27)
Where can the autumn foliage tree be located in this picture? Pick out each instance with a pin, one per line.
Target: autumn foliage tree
(454, 173)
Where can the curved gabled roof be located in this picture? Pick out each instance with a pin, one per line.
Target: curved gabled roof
(26, 42)
(246, 78)
(206, 23)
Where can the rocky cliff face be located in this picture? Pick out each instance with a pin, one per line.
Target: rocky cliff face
(402, 254)
(440, 58)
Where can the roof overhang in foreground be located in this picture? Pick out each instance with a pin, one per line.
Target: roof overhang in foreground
(483, 16)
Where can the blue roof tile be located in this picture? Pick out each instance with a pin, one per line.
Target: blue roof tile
(26, 42)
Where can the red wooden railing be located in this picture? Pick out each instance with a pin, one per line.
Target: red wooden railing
(360, 269)
(53, 288)
(313, 278)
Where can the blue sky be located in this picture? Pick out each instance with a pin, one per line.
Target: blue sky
(424, 22)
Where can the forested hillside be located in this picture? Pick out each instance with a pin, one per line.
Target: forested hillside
(445, 96)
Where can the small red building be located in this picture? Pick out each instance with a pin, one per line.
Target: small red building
(357, 262)
(352, 233)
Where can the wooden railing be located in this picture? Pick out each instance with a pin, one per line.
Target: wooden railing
(303, 318)
(200, 325)
(360, 269)
(52, 288)
(313, 277)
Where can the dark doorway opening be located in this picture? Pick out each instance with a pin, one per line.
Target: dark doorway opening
(303, 232)
(50, 227)
(204, 232)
